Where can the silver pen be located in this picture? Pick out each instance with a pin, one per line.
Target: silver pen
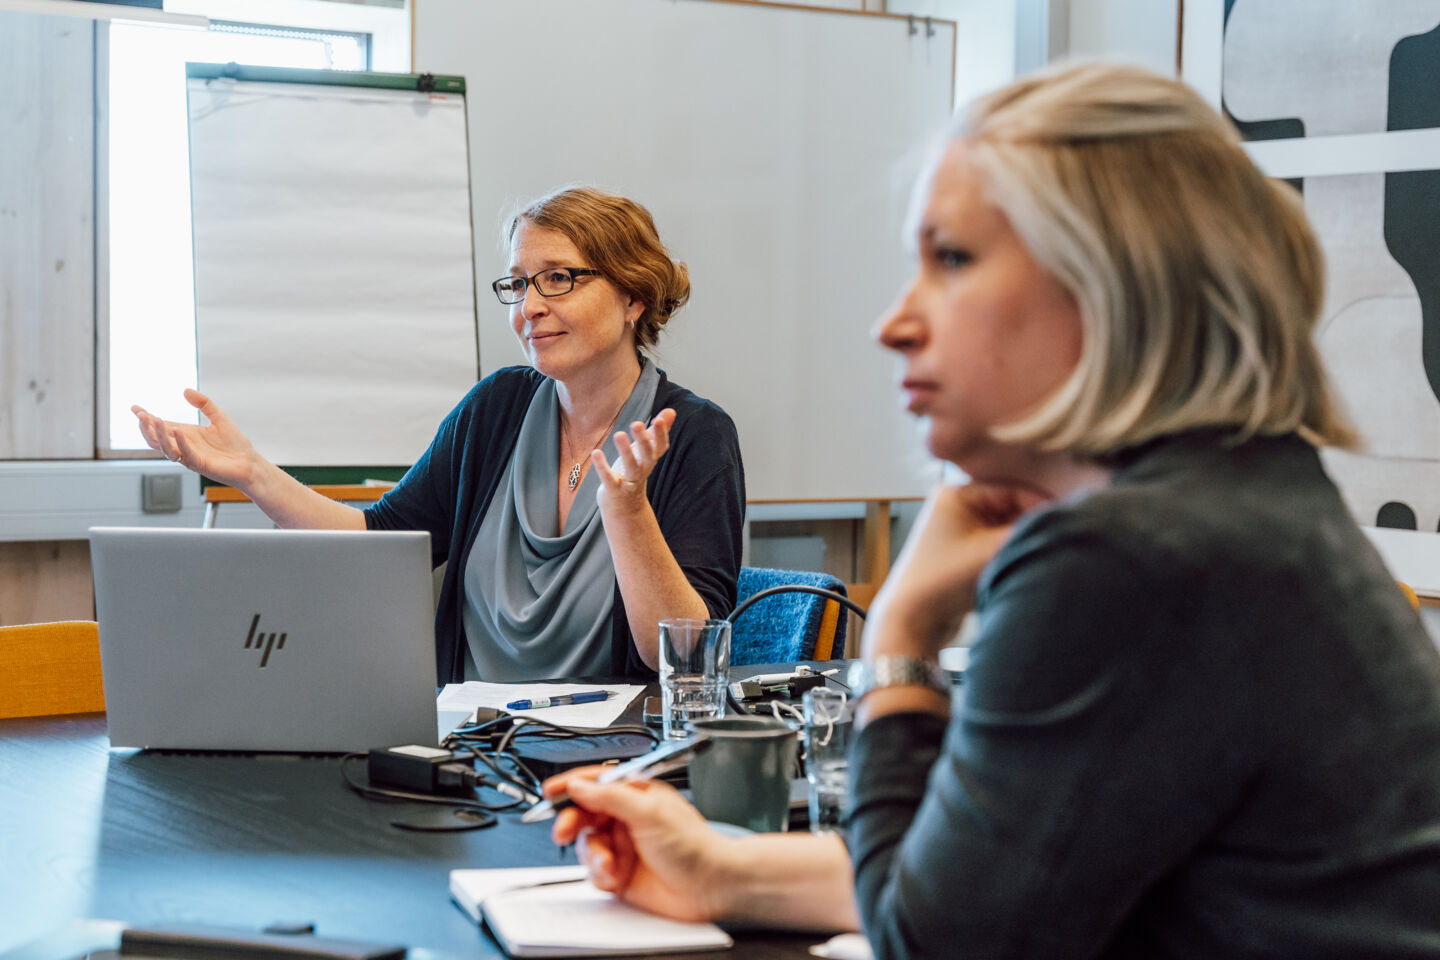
(661, 760)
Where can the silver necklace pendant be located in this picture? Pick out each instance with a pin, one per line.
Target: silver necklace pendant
(574, 478)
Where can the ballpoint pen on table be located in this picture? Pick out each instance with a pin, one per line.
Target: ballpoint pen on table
(661, 760)
(559, 700)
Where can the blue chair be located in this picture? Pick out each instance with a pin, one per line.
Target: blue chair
(787, 625)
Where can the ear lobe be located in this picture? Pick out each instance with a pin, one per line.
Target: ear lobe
(634, 310)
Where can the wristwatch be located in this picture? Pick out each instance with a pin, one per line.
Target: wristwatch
(895, 671)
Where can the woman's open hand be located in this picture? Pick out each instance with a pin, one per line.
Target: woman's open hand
(932, 585)
(622, 484)
(219, 449)
(641, 841)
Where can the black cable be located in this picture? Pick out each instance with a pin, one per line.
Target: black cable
(553, 729)
(466, 743)
(384, 793)
(839, 598)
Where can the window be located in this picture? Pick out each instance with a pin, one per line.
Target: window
(148, 314)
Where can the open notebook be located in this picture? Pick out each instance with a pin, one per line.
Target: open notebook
(524, 916)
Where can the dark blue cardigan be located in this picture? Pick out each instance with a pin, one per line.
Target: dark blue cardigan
(697, 491)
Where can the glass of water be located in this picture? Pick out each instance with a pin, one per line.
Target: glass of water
(694, 668)
(827, 737)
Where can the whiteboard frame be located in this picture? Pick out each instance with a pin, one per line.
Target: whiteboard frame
(409, 425)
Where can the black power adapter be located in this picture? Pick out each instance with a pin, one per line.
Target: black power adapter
(423, 769)
(435, 770)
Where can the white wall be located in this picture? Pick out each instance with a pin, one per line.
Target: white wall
(1136, 31)
(985, 40)
(998, 39)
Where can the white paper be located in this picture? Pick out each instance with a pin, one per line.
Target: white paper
(602, 713)
(334, 277)
(523, 915)
(844, 946)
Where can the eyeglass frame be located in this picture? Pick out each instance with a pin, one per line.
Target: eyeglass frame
(574, 272)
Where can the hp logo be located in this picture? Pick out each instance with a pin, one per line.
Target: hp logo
(254, 641)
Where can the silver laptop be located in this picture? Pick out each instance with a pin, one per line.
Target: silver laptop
(301, 641)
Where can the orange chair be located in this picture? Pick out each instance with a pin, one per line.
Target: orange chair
(50, 668)
(344, 492)
(1409, 592)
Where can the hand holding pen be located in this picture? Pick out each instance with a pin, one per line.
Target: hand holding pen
(661, 760)
(644, 842)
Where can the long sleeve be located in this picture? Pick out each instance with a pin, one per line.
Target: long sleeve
(698, 495)
(1036, 807)
(1199, 721)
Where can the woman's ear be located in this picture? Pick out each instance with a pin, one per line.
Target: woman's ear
(634, 309)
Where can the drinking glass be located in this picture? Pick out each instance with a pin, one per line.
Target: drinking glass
(827, 768)
(694, 668)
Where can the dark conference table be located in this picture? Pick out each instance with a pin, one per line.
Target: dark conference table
(246, 841)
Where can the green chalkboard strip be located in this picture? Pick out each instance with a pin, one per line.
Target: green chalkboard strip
(316, 476)
(422, 82)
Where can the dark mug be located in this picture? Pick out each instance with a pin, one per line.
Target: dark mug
(744, 776)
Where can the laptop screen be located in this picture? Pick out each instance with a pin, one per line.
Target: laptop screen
(265, 640)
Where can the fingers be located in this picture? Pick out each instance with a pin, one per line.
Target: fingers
(148, 426)
(596, 851)
(206, 406)
(620, 801)
(641, 448)
(559, 783)
(660, 425)
(184, 447)
(641, 442)
(609, 479)
(624, 857)
(570, 822)
(568, 825)
(160, 436)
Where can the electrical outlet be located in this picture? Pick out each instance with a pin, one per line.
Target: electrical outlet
(160, 492)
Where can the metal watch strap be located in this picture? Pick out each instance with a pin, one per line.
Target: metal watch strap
(896, 671)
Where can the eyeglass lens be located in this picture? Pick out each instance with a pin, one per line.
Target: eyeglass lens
(548, 283)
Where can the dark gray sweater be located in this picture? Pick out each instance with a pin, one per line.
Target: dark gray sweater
(1200, 722)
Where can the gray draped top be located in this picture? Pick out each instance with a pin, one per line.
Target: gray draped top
(538, 601)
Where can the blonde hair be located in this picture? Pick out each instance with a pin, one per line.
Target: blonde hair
(1198, 280)
(618, 237)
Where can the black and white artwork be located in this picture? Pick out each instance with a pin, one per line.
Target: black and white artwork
(1338, 84)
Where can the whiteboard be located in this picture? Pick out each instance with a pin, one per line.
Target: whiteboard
(776, 148)
(335, 302)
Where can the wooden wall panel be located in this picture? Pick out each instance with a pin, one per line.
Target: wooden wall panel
(47, 237)
(41, 582)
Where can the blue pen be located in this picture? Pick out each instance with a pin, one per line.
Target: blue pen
(559, 700)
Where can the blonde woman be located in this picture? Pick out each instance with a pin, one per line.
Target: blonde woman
(578, 500)
(1199, 720)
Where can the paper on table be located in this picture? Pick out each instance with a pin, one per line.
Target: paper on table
(844, 946)
(602, 713)
(523, 916)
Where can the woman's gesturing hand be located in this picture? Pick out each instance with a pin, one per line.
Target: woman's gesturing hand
(219, 449)
(641, 841)
(622, 484)
(932, 585)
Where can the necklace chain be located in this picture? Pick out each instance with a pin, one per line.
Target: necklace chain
(572, 480)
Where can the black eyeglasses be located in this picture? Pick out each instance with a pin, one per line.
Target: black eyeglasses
(550, 282)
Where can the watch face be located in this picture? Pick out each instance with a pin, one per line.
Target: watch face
(857, 677)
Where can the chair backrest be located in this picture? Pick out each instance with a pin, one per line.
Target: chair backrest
(787, 627)
(50, 668)
(1410, 593)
